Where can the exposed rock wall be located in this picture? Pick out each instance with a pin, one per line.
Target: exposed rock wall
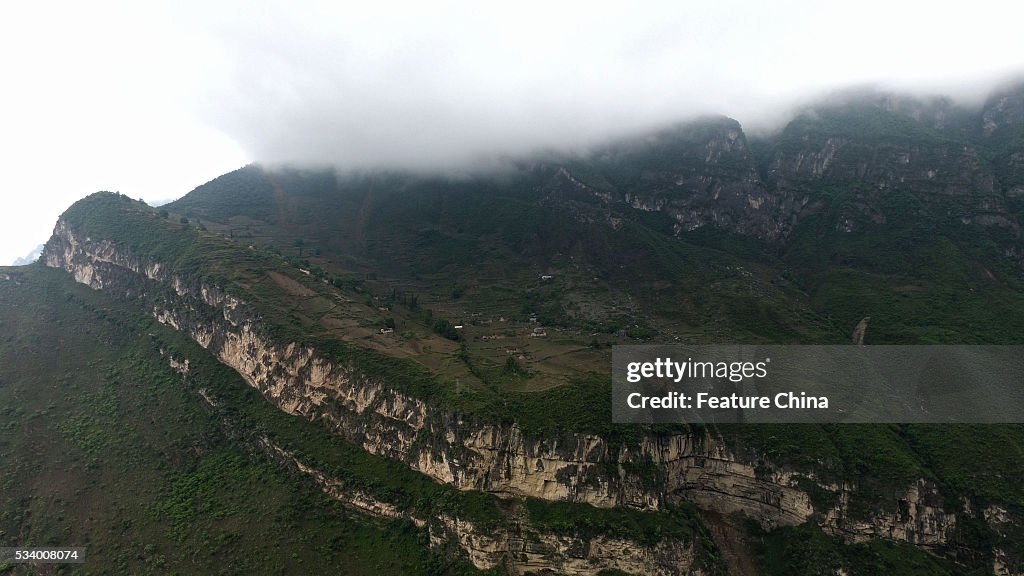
(869, 147)
(700, 174)
(522, 549)
(919, 518)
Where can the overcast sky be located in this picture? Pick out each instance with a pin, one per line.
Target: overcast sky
(153, 99)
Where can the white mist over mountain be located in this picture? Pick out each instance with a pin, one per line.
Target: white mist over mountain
(29, 258)
(152, 99)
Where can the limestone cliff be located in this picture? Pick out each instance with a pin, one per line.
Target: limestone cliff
(862, 156)
(701, 174)
(521, 548)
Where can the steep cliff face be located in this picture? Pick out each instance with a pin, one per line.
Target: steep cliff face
(875, 196)
(522, 548)
(1003, 114)
(876, 180)
(826, 154)
(700, 174)
(919, 519)
(865, 149)
(518, 546)
(574, 467)
(1003, 130)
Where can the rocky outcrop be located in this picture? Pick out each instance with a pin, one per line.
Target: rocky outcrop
(918, 519)
(898, 160)
(849, 155)
(1003, 114)
(1003, 131)
(521, 549)
(1006, 558)
(701, 174)
(860, 331)
(940, 168)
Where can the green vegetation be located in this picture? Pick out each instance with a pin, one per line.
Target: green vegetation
(105, 447)
(902, 219)
(843, 281)
(446, 329)
(212, 489)
(386, 479)
(919, 282)
(806, 551)
(975, 463)
(566, 518)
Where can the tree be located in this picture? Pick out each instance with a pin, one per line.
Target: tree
(512, 366)
(445, 328)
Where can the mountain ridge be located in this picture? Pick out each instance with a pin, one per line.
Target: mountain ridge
(336, 298)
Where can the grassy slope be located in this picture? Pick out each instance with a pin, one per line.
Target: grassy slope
(492, 237)
(103, 446)
(303, 308)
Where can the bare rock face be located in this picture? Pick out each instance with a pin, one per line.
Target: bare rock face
(700, 174)
(1004, 111)
(934, 168)
(860, 331)
(1003, 131)
(919, 519)
(864, 151)
(522, 549)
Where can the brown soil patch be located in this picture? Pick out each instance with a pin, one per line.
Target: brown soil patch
(289, 285)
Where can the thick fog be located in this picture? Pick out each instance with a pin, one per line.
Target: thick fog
(153, 98)
(428, 84)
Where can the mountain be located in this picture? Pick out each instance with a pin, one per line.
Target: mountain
(30, 258)
(373, 336)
